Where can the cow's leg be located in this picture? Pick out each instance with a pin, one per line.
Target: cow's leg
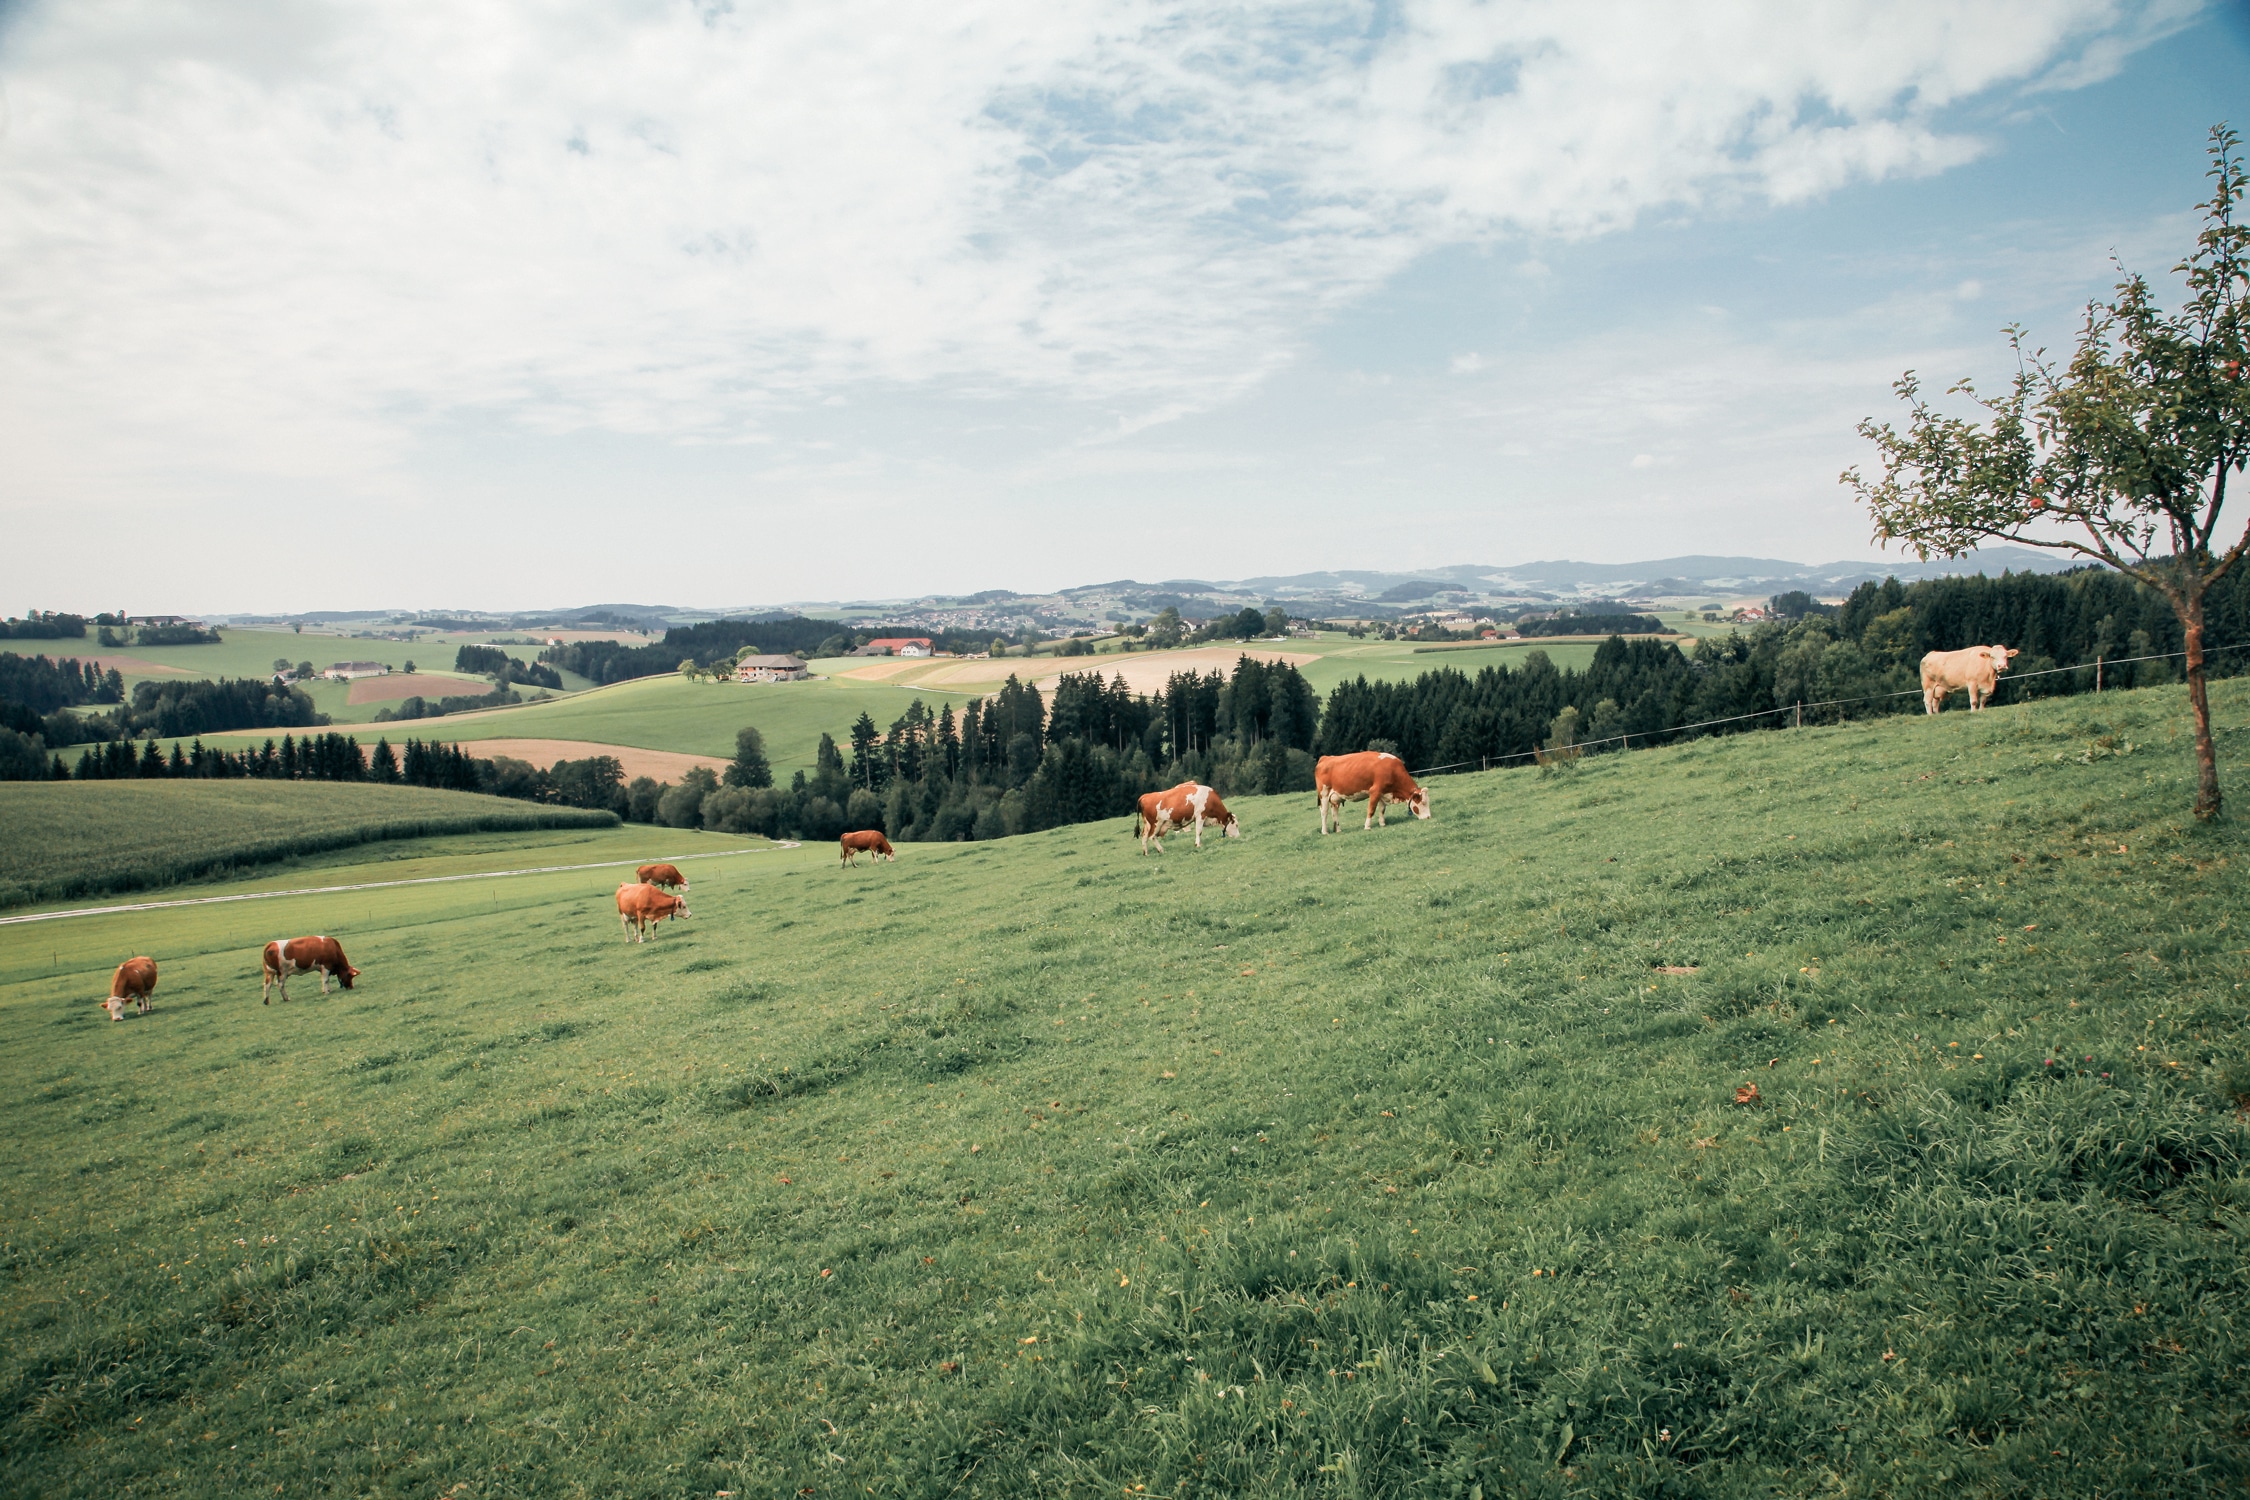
(1199, 830)
(322, 971)
(265, 990)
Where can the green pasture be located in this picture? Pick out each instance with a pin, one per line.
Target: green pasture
(1390, 1163)
(66, 839)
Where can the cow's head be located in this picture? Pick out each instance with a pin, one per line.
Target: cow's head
(1420, 802)
(115, 1005)
(2002, 655)
(347, 975)
(679, 909)
(1234, 828)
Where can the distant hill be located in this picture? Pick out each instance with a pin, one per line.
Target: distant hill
(1355, 591)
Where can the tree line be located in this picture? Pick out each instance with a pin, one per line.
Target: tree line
(43, 625)
(1014, 762)
(1864, 660)
(596, 781)
(43, 707)
(503, 669)
(713, 642)
(1592, 624)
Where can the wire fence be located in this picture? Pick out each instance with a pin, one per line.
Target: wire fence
(1488, 762)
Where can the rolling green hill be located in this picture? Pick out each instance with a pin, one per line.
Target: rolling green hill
(77, 838)
(1392, 1163)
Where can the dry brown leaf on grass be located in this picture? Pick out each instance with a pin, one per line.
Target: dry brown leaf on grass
(1677, 968)
(1747, 1094)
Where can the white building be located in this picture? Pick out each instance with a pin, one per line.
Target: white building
(770, 669)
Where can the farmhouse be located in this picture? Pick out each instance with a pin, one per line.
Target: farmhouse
(345, 671)
(897, 645)
(770, 669)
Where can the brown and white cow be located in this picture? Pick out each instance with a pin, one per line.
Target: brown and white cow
(640, 907)
(1377, 775)
(133, 984)
(305, 955)
(661, 875)
(1978, 669)
(1189, 803)
(868, 841)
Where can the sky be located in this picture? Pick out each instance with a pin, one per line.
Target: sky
(481, 305)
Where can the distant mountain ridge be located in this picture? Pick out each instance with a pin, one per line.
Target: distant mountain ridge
(1339, 592)
(1696, 573)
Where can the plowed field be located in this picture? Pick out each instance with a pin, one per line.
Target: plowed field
(400, 685)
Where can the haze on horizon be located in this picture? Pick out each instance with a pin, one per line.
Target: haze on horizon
(309, 305)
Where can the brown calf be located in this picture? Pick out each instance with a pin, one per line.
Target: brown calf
(661, 875)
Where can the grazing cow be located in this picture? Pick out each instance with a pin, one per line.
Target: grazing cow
(1978, 669)
(1377, 775)
(641, 907)
(661, 875)
(305, 955)
(134, 983)
(1187, 803)
(869, 841)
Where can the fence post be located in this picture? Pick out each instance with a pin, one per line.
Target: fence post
(1800, 713)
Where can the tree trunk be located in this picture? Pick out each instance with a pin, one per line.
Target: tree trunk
(2199, 701)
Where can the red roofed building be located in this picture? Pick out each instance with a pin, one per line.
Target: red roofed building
(897, 645)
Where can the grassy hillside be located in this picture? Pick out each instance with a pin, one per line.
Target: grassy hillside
(78, 838)
(1385, 1164)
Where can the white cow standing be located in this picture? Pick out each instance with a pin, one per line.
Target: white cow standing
(1977, 668)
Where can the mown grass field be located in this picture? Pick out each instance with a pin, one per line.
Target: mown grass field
(1386, 1164)
(79, 838)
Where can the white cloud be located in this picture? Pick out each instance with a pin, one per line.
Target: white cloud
(291, 239)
